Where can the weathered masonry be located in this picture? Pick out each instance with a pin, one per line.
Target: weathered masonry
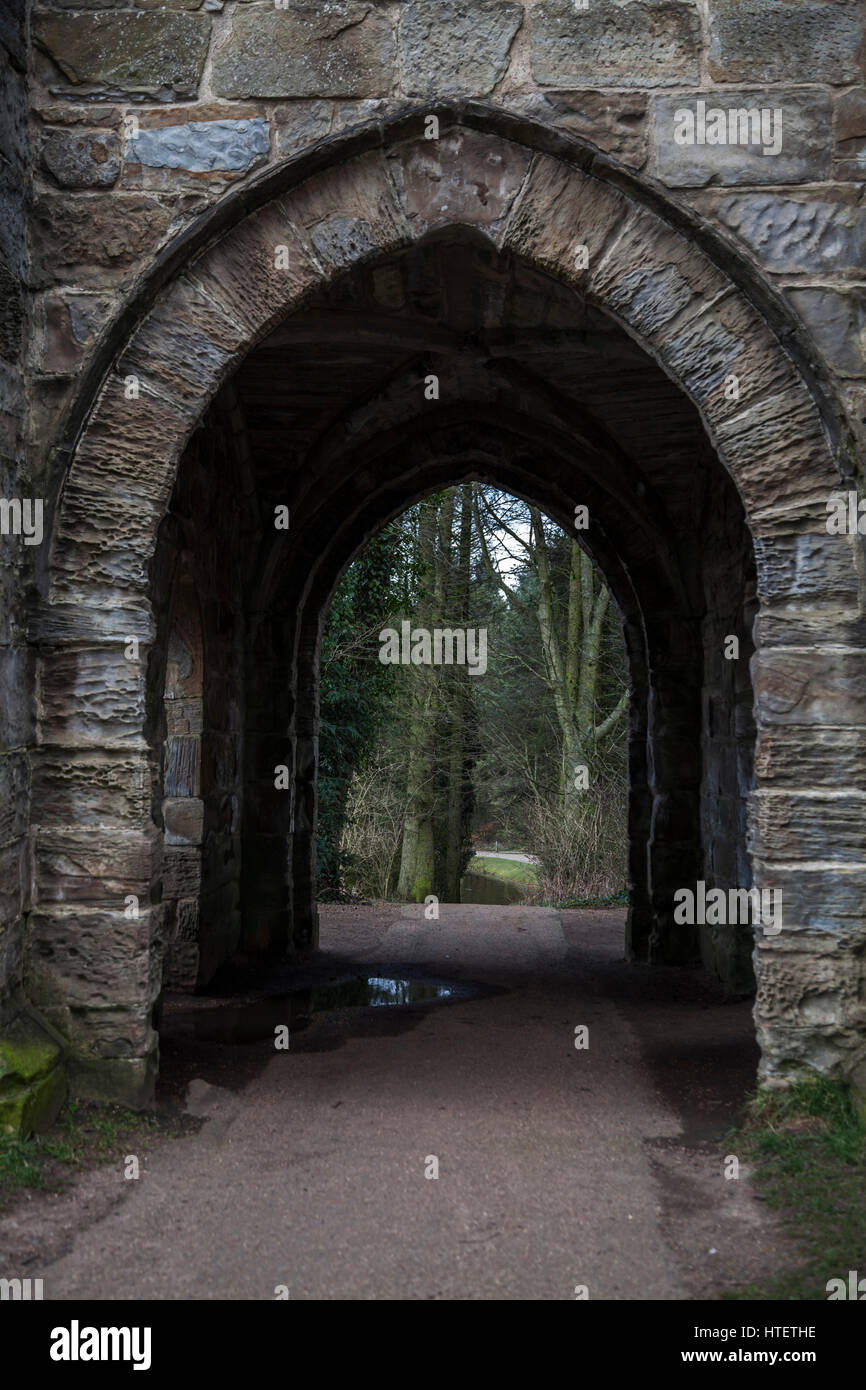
(629, 240)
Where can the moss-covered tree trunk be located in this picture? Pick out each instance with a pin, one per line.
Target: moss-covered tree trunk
(415, 879)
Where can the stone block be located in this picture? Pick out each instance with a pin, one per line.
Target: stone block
(782, 464)
(124, 53)
(201, 146)
(98, 238)
(806, 122)
(258, 270)
(301, 124)
(614, 122)
(184, 348)
(14, 796)
(123, 1080)
(184, 820)
(349, 214)
(81, 161)
(67, 327)
(825, 235)
(182, 765)
(777, 41)
(560, 211)
(91, 788)
(456, 46)
(615, 43)
(820, 687)
(343, 49)
(181, 871)
(462, 177)
(815, 567)
(849, 152)
(91, 696)
(93, 960)
(820, 899)
(786, 826)
(13, 884)
(837, 321)
(17, 681)
(651, 276)
(95, 867)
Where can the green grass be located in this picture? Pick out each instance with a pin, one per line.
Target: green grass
(85, 1134)
(613, 900)
(511, 869)
(808, 1148)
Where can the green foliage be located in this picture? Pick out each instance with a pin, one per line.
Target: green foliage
(808, 1146)
(85, 1132)
(386, 733)
(354, 696)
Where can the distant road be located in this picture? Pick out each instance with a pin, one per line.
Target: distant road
(501, 854)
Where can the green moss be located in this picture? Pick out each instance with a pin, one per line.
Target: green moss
(25, 1062)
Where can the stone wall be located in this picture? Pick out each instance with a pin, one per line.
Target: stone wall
(145, 119)
(199, 595)
(143, 115)
(16, 556)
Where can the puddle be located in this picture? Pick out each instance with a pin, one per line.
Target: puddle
(248, 1023)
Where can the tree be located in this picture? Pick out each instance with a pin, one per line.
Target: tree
(570, 630)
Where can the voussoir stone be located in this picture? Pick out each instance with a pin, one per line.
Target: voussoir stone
(349, 214)
(129, 52)
(184, 347)
(618, 43)
(458, 46)
(776, 41)
(559, 212)
(258, 270)
(462, 177)
(345, 49)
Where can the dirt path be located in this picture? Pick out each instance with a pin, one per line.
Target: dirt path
(557, 1167)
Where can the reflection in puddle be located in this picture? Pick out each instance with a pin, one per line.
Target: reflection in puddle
(247, 1023)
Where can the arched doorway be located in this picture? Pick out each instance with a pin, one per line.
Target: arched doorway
(592, 353)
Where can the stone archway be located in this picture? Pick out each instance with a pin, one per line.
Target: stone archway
(562, 210)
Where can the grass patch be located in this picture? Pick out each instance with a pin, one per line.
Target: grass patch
(512, 869)
(85, 1134)
(809, 1151)
(612, 900)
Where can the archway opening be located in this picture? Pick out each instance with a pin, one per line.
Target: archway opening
(473, 714)
(591, 338)
(454, 363)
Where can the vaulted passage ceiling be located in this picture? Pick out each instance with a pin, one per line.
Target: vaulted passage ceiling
(508, 345)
